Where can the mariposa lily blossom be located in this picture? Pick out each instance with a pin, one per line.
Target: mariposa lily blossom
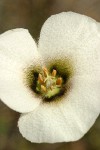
(55, 84)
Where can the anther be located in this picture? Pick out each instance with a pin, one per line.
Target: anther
(43, 88)
(40, 78)
(45, 71)
(59, 81)
(54, 72)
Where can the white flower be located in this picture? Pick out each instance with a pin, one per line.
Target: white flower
(55, 85)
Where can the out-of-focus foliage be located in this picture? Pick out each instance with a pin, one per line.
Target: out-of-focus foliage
(31, 14)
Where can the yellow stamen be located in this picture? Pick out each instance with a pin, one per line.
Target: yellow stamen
(54, 72)
(40, 78)
(59, 81)
(43, 88)
(45, 71)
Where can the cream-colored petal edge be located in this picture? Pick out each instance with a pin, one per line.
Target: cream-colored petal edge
(17, 52)
(65, 121)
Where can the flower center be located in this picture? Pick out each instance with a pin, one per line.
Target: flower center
(49, 84)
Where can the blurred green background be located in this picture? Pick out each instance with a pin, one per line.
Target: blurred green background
(31, 14)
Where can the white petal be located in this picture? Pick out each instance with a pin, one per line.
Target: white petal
(17, 51)
(18, 45)
(66, 121)
(72, 36)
